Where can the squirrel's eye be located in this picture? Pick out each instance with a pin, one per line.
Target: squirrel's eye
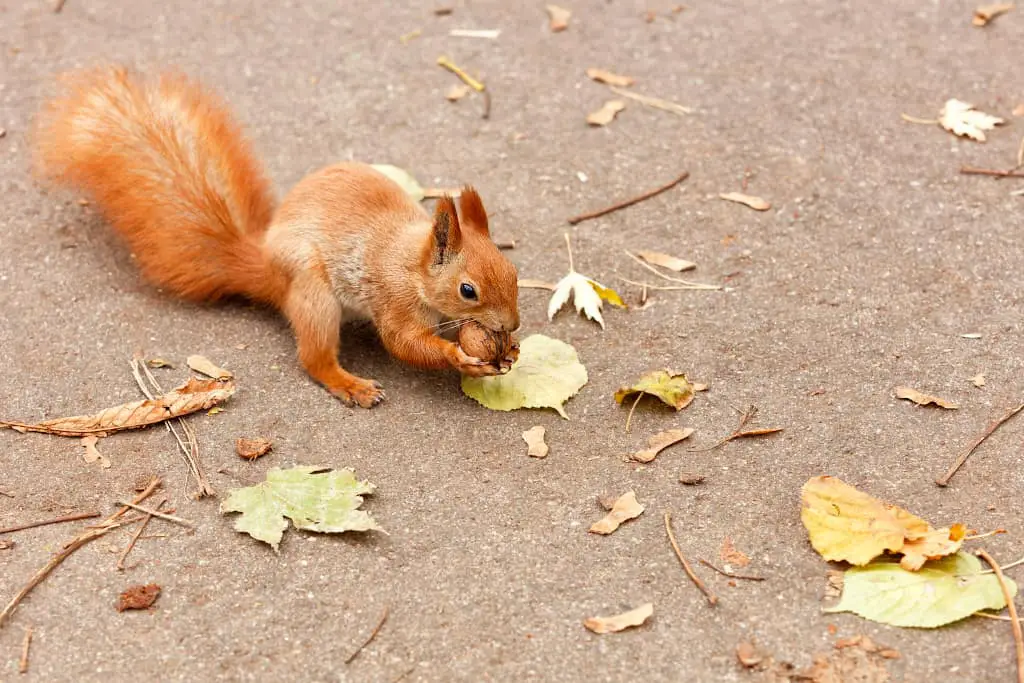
(467, 291)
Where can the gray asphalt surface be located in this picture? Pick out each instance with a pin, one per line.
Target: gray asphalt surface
(874, 260)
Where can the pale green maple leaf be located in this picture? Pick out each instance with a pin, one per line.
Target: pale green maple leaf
(315, 500)
(403, 178)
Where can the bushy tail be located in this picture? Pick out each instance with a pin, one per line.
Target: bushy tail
(172, 172)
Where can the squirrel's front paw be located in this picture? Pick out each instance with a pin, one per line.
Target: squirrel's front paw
(366, 393)
(474, 367)
(510, 358)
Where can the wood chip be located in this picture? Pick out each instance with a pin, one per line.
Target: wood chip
(978, 380)
(606, 114)
(986, 13)
(92, 454)
(659, 442)
(534, 438)
(921, 399)
(691, 478)
(625, 508)
(753, 202)
(205, 366)
(138, 597)
(633, 617)
(665, 261)
(609, 78)
(559, 18)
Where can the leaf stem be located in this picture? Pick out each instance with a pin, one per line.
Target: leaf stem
(1018, 636)
(568, 248)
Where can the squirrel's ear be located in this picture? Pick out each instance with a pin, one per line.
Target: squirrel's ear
(447, 236)
(472, 209)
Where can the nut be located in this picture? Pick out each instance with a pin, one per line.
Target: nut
(483, 343)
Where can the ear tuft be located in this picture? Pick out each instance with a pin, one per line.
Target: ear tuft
(472, 209)
(447, 235)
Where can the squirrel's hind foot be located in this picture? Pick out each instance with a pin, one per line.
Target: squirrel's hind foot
(366, 393)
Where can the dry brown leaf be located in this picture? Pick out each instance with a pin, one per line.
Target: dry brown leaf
(196, 394)
(625, 508)
(609, 78)
(923, 399)
(961, 118)
(665, 261)
(536, 284)
(660, 442)
(730, 554)
(691, 478)
(534, 438)
(933, 545)
(753, 202)
(92, 454)
(456, 92)
(205, 366)
(748, 655)
(834, 583)
(559, 17)
(138, 597)
(633, 617)
(986, 13)
(606, 114)
(250, 449)
(978, 380)
(6, 545)
(158, 363)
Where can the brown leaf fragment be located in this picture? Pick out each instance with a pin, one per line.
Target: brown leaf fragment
(934, 544)
(159, 363)
(920, 399)
(456, 92)
(660, 442)
(443, 11)
(250, 449)
(92, 454)
(748, 655)
(978, 380)
(606, 114)
(625, 508)
(619, 622)
(834, 583)
(205, 366)
(559, 18)
(607, 501)
(534, 438)
(609, 78)
(665, 261)
(138, 597)
(753, 202)
(196, 394)
(730, 554)
(986, 13)
(691, 478)
(6, 545)
(853, 659)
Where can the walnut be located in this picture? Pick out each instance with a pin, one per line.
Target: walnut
(483, 343)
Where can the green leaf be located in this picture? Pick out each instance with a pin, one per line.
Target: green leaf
(403, 178)
(313, 499)
(940, 593)
(547, 374)
(674, 390)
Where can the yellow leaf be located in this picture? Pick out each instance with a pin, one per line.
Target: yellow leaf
(674, 390)
(608, 294)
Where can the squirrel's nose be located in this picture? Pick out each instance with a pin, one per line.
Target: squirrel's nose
(511, 324)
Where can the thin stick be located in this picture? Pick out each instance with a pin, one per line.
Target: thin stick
(1005, 566)
(647, 285)
(962, 458)
(110, 523)
(913, 119)
(568, 248)
(655, 102)
(511, 244)
(487, 104)
(629, 417)
(738, 433)
(25, 644)
(998, 617)
(970, 170)
(712, 599)
(58, 520)
(1018, 637)
(135, 537)
(373, 634)
(994, 532)
(629, 202)
(161, 515)
(57, 8)
(730, 575)
(695, 285)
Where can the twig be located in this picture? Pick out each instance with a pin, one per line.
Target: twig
(730, 575)
(568, 248)
(962, 458)
(373, 634)
(629, 417)
(135, 537)
(1005, 566)
(629, 202)
(913, 119)
(998, 617)
(25, 644)
(738, 433)
(649, 101)
(970, 170)
(487, 104)
(712, 599)
(473, 83)
(647, 285)
(109, 524)
(58, 520)
(994, 532)
(161, 515)
(663, 276)
(510, 244)
(1018, 637)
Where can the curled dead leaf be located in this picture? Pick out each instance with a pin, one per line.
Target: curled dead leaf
(205, 366)
(619, 622)
(986, 13)
(534, 438)
(559, 18)
(138, 597)
(665, 261)
(624, 509)
(753, 202)
(92, 454)
(609, 78)
(606, 114)
(250, 449)
(660, 442)
(921, 399)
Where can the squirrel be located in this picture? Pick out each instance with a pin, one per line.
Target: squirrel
(171, 171)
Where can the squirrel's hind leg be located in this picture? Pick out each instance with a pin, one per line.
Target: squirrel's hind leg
(316, 316)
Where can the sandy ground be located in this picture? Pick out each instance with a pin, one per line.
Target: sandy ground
(874, 261)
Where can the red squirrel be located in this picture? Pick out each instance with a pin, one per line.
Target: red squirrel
(171, 171)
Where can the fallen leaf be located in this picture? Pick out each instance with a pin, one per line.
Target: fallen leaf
(732, 555)
(660, 442)
(936, 544)
(978, 380)
(986, 13)
(534, 438)
(748, 655)
(672, 389)
(923, 399)
(158, 363)
(138, 597)
(204, 366)
(665, 261)
(633, 617)
(217, 410)
(753, 202)
(536, 284)
(250, 449)
(547, 374)
(456, 92)
(609, 78)
(961, 118)
(313, 499)
(608, 294)
(655, 102)
(940, 593)
(6, 545)
(691, 478)
(559, 17)
(403, 178)
(625, 508)
(606, 114)
(92, 454)
(833, 583)
(585, 296)
(443, 11)
(194, 395)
